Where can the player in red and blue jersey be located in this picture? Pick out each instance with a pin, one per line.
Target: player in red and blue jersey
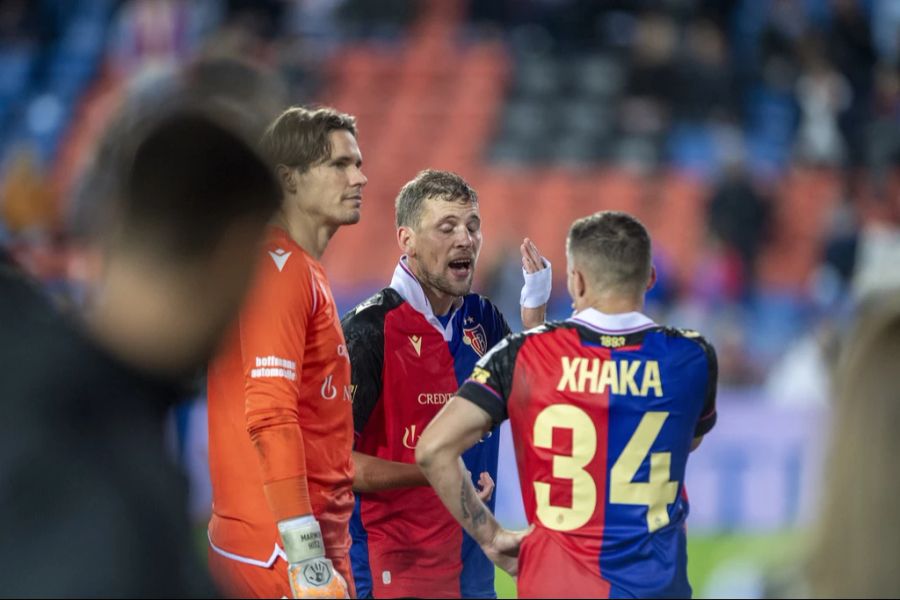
(411, 346)
(605, 408)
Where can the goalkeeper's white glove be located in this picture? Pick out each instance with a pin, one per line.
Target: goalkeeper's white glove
(311, 575)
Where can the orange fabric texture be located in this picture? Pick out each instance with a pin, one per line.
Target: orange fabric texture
(239, 580)
(280, 416)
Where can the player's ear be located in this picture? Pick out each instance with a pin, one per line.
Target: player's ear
(288, 178)
(652, 280)
(406, 240)
(579, 284)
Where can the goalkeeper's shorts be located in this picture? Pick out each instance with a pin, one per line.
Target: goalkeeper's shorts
(237, 579)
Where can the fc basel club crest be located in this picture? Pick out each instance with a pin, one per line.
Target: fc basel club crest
(475, 337)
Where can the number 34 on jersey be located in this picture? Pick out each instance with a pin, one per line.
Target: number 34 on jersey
(656, 494)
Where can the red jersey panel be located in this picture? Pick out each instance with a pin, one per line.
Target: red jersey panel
(405, 542)
(603, 410)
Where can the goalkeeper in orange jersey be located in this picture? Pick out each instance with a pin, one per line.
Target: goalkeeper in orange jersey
(280, 418)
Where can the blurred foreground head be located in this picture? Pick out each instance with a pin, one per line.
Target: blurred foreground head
(857, 546)
(239, 95)
(177, 202)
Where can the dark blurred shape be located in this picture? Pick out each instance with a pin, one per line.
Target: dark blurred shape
(90, 504)
(237, 92)
(253, 94)
(739, 217)
(854, 553)
(704, 85)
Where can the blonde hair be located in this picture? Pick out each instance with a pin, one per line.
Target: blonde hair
(430, 183)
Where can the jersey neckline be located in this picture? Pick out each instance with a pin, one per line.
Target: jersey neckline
(619, 323)
(410, 289)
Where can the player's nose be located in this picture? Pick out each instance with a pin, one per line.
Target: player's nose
(358, 178)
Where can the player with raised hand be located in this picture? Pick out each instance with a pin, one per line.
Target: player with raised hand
(605, 408)
(411, 345)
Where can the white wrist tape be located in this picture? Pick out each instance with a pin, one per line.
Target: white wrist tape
(302, 538)
(536, 291)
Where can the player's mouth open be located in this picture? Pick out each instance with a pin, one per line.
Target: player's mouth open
(461, 267)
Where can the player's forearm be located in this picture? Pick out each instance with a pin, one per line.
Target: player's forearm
(375, 474)
(448, 476)
(533, 317)
(282, 461)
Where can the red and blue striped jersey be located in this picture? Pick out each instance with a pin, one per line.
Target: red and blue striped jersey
(406, 364)
(603, 410)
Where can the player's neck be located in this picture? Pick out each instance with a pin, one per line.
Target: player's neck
(441, 303)
(613, 304)
(309, 233)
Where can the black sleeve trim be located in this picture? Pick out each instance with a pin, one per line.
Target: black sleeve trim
(485, 398)
(490, 385)
(709, 415)
(364, 334)
(705, 424)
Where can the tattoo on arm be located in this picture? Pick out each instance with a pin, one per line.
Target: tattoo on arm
(472, 508)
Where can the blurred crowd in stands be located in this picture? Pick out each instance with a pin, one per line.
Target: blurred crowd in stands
(736, 96)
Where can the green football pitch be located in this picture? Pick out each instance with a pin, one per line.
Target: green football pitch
(713, 559)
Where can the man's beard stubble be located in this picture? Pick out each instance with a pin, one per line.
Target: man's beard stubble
(441, 284)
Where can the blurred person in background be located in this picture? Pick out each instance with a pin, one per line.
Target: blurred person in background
(607, 386)
(857, 541)
(91, 503)
(279, 394)
(410, 347)
(739, 217)
(822, 94)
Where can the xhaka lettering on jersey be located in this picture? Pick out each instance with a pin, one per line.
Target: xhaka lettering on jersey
(596, 376)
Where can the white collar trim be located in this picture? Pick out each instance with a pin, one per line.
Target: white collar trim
(619, 324)
(409, 288)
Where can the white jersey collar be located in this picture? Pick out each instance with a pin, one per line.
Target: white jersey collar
(409, 288)
(619, 324)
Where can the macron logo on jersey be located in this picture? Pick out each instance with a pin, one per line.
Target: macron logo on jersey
(416, 341)
(280, 257)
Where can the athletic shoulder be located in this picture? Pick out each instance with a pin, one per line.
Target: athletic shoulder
(371, 311)
(691, 335)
